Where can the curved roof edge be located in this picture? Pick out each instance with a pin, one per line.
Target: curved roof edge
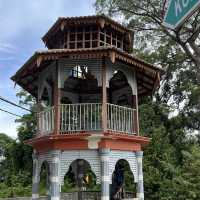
(146, 72)
(87, 19)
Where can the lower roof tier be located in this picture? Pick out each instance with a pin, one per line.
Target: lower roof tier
(148, 76)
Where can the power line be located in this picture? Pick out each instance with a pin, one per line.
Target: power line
(10, 113)
(14, 104)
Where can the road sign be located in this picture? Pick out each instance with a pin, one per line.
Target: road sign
(178, 11)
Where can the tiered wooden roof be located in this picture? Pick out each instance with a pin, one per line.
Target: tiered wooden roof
(102, 20)
(148, 76)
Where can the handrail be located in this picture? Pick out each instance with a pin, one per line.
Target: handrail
(120, 119)
(119, 106)
(46, 121)
(82, 117)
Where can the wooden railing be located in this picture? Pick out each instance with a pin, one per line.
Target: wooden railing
(87, 117)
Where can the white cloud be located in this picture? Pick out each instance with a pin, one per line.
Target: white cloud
(7, 48)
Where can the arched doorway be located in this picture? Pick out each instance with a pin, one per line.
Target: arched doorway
(120, 92)
(120, 113)
(80, 182)
(81, 86)
(45, 98)
(123, 186)
(44, 185)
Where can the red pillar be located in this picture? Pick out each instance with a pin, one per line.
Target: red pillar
(56, 98)
(104, 97)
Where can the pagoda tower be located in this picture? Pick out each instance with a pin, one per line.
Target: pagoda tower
(87, 85)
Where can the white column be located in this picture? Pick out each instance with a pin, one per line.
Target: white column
(105, 182)
(55, 176)
(36, 177)
(140, 185)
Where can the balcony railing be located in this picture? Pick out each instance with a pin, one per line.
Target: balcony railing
(86, 117)
(120, 118)
(46, 121)
(80, 117)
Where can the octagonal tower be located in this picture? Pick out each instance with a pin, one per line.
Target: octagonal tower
(87, 86)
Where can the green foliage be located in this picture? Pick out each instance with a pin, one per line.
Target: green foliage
(15, 189)
(188, 181)
(16, 168)
(171, 161)
(4, 142)
(70, 183)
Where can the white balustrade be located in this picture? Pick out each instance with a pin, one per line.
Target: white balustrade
(87, 117)
(80, 117)
(46, 121)
(120, 119)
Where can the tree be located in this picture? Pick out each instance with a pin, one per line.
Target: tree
(4, 141)
(173, 114)
(16, 168)
(22, 153)
(190, 175)
(148, 16)
(177, 51)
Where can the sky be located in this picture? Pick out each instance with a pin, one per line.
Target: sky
(22, 24)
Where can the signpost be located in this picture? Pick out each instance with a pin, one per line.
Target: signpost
(178, 11)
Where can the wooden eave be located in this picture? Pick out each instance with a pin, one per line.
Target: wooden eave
(84, 20)
(148, 75)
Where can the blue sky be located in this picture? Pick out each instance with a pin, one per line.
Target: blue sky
(23, 23)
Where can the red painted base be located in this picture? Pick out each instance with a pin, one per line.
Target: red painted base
(80, 141)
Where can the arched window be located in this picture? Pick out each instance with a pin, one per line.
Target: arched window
(45, 97)
(79, 72)
(44, 179)
(123, 186)
(120, 90)
(79, 177)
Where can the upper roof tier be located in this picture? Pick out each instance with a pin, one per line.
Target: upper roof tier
(89, 37)
(88, 32)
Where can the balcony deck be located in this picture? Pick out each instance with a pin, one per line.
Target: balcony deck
(86, 117)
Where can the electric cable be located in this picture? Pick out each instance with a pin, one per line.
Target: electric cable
(12, 103)
(9, 113)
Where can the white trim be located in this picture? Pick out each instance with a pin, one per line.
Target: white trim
(105, 198)
(139, 159)
(55, 198)
(35, 196)
(140, 177)
(35, 179)
(93, 143)
(105, 179)
(104, 158)
(140, 195)
(55, 160)
(55, 179)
